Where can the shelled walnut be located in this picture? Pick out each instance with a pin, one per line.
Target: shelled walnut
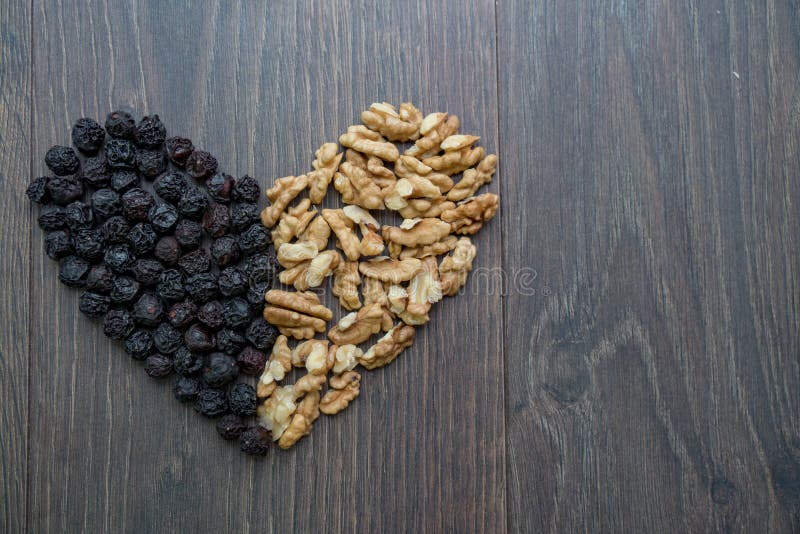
(426, 257)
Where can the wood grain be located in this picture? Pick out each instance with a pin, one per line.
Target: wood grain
(15, 222)
(653, 383)
(423, 448)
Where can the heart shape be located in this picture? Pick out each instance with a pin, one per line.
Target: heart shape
(398, 290)
(180, 268)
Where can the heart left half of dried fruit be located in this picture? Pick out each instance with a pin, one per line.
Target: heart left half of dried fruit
(178, 262)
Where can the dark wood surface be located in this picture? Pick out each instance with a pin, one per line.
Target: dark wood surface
(638, 371)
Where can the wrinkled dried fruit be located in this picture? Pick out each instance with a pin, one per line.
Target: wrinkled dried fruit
(167, 338)
(251, 361)
(178, 150)
(148, 310)
(120, 124)
(231, 426)
(187, 363)
(219, 369)
(182, 314)
(255, 441)
(118, 324)
(150, 132)
(198, 339)
(72, 271)
(87, 135)
(211, 402)
(120, 154)
(37, 190)
(158, 366)
(220, 187)
(64, 189)
(186, 389)
(150, 163)
(106, 202)
(200, 165)
(139, 344)
(136, 204)
(58, 244)
(171, 186)
(62, 160)
(242, 399)
(93, 305)
(167, 250)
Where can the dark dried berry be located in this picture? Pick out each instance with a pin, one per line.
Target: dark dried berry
(229, 341)
(95, 172)
(124, 290)
(148, 310)
(136, 204)
(242, 399)
(150, 163)
(187, 363)
(243, 215)
(150, 133)
(193, 203)
(147, 271)
(53, 218)
(211, 314)
(251, 361)
(219, 369)
(93, 305)
(232, 281)
(62, 160)
(254, 239)
(225, 250)
(255, 295)
(64, 189)
(58, 244)
(118, 324)
(231, 426)
(200, 165)
(142, 238)
(158, 366)
(119, 258)
(139, 345)
(195, 262)
(120, 124)
(79, 216)
(170, 285)
(186, 389)
(237, 312)
(198, 339)
(123, 180)
(37, 190)
(167, 250)
(261, 334)
(87, 135)
(179, 149)
(262, 268)
(202, 287)
(100, 279)
(120, 154)
(211, 402)
(246, 189)
(189, 234)
(72, 271)
(105, 203)
(216, 220)
(167, 338)
(220, 187)
(182, 314)
(163, 217)
(255, 441)
(115, 230)
(171, 186)
(89, 245)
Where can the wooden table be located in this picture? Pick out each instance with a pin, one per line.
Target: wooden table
(636, 372)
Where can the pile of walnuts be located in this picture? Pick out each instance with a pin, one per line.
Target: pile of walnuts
(395, 266)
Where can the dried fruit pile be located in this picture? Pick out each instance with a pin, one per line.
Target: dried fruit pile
(397, 290)
(178, 275)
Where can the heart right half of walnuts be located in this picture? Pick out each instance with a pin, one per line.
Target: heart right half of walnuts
(386, 277)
